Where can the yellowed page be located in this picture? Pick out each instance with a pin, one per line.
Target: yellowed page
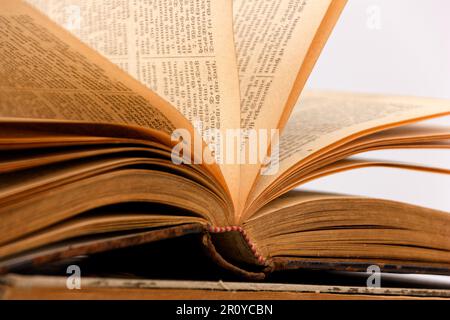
(325, 119)
(277, 44)
(182, 50)
(46, 74)
(272, 40)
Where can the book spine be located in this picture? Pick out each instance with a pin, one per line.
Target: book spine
(258, 256)
(214, 254)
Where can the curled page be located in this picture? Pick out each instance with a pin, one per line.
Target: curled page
(277, 44)
(182, 50)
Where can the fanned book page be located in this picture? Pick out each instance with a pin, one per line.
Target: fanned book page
(48, 75)
(185, 53)
(184, 60)
(277, 43)
(323, 121)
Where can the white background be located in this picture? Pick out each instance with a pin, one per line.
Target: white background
(408, 55)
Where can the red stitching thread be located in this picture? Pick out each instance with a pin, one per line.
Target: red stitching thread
(244, 234)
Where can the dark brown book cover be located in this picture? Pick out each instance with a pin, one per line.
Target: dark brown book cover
(15, 287)
(230, 250)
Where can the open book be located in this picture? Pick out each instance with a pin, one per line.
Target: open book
(87, 147)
